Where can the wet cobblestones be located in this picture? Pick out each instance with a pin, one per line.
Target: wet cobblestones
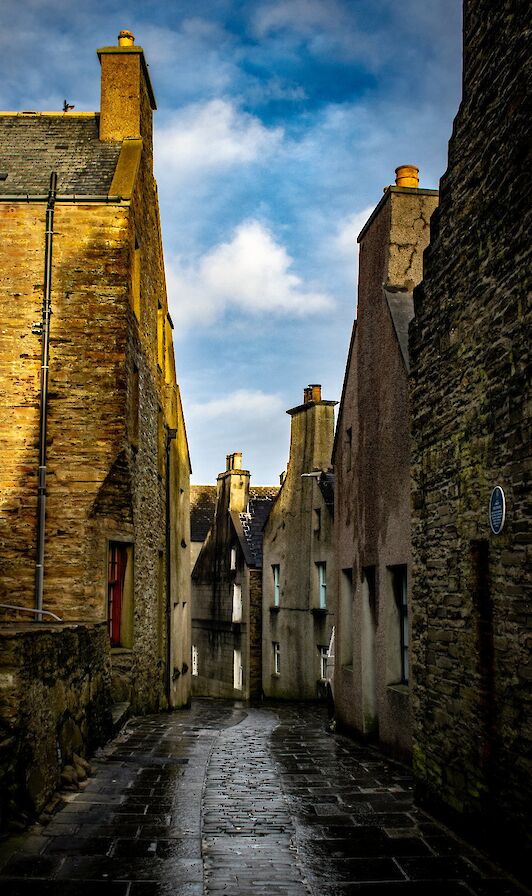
(223, 799)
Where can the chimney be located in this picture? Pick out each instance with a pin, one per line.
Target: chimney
(126, 91)
(233, 485)
(312, 393)
(407, 176)
(233, 461)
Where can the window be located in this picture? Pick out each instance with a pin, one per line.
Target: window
(317, 520)
(233, 558)
(237, 670)
(322, 585)
(237, 603)
(276, 653)
(345, 621)
(160, 336)
(276, 569)
(161, 606)
(323, 652)
(134, 408)
(119, 594)
(135, 280)
(399, 574)
(194, 660)
(348, 447)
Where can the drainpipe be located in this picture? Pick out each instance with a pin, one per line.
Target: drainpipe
(170, 436)
(45, 356)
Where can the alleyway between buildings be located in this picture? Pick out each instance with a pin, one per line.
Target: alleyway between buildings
(227, 799)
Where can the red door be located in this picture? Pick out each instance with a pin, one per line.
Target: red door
(115, 589)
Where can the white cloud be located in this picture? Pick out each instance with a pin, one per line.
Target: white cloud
(252, 404)
(211, 135)
(345, 239)
(251, 273)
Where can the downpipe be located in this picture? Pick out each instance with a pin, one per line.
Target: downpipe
(43, 422)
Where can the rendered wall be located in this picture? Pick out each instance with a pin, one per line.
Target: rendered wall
(373, 477)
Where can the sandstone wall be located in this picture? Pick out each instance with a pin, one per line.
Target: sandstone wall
(54, 702)
(471, 431)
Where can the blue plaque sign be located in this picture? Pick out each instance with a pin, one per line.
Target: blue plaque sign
(497, 510)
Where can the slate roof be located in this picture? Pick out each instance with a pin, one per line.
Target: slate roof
(202, 506)
(401, 306)
(34, 145)
(260, 503)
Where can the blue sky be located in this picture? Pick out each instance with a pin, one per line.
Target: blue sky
(279, 123)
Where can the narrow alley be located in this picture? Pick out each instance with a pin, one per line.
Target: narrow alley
(227, 799)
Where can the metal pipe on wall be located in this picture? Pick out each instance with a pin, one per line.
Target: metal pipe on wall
(43, 421)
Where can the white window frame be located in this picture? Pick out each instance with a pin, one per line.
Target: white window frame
(237, 670)
(237, 602)
(233, 558)
(276, 570)
(322, 585)
(194, 660)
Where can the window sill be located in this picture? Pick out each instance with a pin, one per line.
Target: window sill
(319, 612)
(275, 608)
(399, 688)
(276, 674)
(117, 651)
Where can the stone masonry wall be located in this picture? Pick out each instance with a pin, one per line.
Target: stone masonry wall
(54, 702)
(471, 431)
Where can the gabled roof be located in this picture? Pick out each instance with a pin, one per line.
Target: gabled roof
(249, 525)
(202, 507)
(32, 145)
(344, 387)
(401, 306)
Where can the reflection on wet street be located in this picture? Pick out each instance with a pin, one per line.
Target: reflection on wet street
(228, 799)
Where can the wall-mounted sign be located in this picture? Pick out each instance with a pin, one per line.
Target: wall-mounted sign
(497, 510)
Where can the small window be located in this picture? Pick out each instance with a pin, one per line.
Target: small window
(233, 558)
(401, 598)
(237, 603)
(160, 336)
(322, 585)
(135, 280)
(317, 520)
(194, 660)
(323, 653)
(134, 409)
(237, 670)
(276, 569)
(276, 654)
(348, 447)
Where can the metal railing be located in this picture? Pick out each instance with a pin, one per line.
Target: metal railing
(30, 610)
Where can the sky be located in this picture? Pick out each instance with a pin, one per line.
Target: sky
(279, 123)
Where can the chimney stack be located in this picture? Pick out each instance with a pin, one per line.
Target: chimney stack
(126, 91)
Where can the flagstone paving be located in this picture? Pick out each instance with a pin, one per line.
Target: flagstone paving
(228, 799)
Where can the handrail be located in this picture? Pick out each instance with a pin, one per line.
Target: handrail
(30, 610)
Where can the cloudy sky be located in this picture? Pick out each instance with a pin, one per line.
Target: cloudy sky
(279, 123)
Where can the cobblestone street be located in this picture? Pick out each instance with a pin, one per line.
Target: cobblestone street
(227, 799)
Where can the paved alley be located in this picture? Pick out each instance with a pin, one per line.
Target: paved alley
(227, 799)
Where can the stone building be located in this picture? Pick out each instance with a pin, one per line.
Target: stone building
(372, 467)
(227, 584)
(469, 350)
(116, 532)
(298, 570)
